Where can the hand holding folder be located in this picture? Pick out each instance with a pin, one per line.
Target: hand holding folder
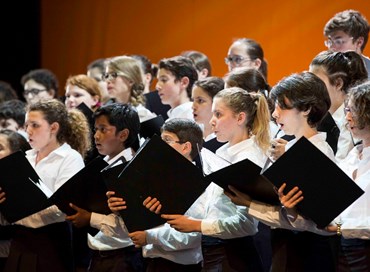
(159, 171)
(326, 188)
(86, 189)
(25, 194)
(246, 177)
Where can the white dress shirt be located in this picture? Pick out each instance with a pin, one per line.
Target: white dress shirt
(220, 217)
(170, 244)
(113, 233)
(247, 149)
(182, 111)
(144, 113)
(53, 170)
(356, 218)
(345, 140)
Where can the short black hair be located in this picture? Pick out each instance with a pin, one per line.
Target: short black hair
(16, 140)
(122, 116)
(13, 109)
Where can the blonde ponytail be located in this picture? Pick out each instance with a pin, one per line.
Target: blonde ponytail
(261, 122)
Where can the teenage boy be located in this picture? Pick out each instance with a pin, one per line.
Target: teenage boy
(165, 248)
(176, 77)
(216, 216)
(116, 135)
(348, 30)
(39, 84)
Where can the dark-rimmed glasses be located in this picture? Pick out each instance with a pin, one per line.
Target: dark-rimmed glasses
(170, 141)
(33, 91)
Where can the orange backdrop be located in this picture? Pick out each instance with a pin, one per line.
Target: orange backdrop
(75, 33)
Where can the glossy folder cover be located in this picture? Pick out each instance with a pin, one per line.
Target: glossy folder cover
(327, 190)
(152, 126)
(18, 181)
(246, 177)
(86, 189)
(157, 170)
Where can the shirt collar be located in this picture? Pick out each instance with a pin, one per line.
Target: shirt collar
(61, 151)
(126, 153)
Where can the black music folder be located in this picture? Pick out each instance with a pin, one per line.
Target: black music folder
(87, 112)
(157, 170)
(246, 177)
(328, 125)
(86, 189)
(152, 126)
(111, 172)
(327, 190)
(20, 183)
(213, 144)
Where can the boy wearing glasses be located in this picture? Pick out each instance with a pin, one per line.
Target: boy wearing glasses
(39, 84)
(348, 31)
(172, 247)
(176, 77)
(164, 248)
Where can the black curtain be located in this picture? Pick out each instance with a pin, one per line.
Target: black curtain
(20, 42)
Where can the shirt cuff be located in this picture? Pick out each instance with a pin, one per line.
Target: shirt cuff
(96, 220)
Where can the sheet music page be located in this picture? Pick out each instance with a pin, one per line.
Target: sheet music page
(43, 188)
(211, 162)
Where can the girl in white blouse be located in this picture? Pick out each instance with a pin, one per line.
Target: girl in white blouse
(42, 241)
(125, 84)
(241, 119)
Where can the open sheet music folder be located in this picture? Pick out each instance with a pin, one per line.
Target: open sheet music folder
(246, 177)
(152, 126)
(327, 190)
(86, 189)
(157, 170)
(25, 196)
(20, 183)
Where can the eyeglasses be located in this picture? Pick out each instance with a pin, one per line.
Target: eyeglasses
(110, 76)
(235, 59)
(170, 141)
(33, 91)
(348, 109)
(336, 42)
